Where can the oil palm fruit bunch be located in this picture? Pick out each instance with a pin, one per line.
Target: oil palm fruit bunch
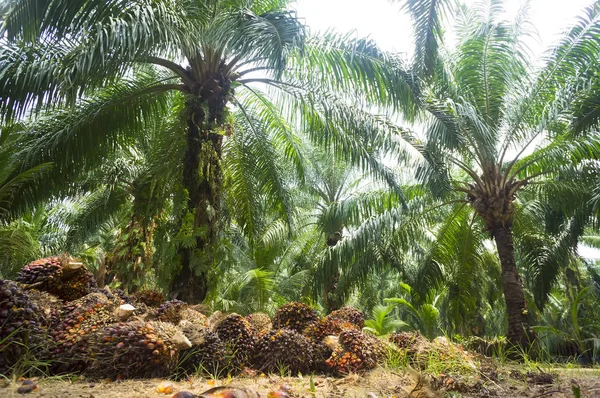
(283, 349)
(21, 326)
(152, 298)
(409, 341)
(49, 305)
(349, 315)
(63, 277)
(295, 316)
(78, 318)
(317, 333)
(356, 352)
(194, 317)
(208, 354)
(133, 349)
(261, 323)
(236, 333)
(170, 311)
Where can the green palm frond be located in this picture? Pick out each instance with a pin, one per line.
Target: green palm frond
(427, 16)
(382, 322)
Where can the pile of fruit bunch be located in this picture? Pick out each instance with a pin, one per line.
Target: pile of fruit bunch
(237, 335)
(207, 355)
(295, 316)
(349, 315)
(151, 298)
(22, 331)
(132, 350)
(66, 279)
(260, 322)
(283, 349)
(356, 352)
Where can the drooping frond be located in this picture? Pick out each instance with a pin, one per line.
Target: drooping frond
(77, 139)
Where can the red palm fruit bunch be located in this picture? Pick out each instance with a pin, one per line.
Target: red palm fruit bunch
(171, 311)
(61, 276)
(50, 306)
(207, 355)
(317, 332)
(132, 350)
(295, 316)
(22, 324)
(349, 315)
(236, 333)
(409, 341)
(261, 323)
(356, 352)
(79, 318)
(283, 349)
(151, 298)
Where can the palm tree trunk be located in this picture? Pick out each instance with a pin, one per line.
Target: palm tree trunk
(514, 296)
(202, 180)
(331, 299)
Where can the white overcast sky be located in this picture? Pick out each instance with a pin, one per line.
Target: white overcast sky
(384, 21)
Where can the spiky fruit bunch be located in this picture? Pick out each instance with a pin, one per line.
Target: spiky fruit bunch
(49, 305)
(134, 349)
(43, 271)
(283, 349)
(326, 327)
(261, 323)
(349, 315)
(82, 282)
(21, 326)
(152, 298)
(317, 332)
(295, 316)
(194, 317)
(236, 333)
(57, 276)
(357, 352)
(208, 354)
(79, 318)
(116, 295)
(409, 341)
(193, 325)
(171, 311)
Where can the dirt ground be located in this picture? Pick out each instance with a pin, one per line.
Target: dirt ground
(511, 382)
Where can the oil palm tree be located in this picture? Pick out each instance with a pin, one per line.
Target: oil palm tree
(496, 126)
(121, 65)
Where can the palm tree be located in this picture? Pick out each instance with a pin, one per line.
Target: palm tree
(120, 65)
(494, 126)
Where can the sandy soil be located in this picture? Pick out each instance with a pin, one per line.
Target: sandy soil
(379, 383)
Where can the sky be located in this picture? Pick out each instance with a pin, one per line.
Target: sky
(383, 20)
(390, 27)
